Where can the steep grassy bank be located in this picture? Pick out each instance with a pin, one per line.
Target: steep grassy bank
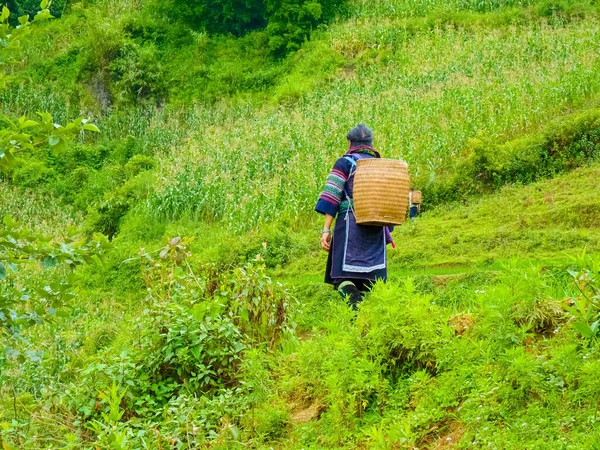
(479, 299)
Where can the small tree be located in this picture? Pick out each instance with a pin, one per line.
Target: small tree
(26, 134)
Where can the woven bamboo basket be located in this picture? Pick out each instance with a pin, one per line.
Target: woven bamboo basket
(380, 192)
(417, 197)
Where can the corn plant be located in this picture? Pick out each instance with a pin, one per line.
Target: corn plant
(585, 307)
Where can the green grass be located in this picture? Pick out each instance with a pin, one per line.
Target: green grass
(40, 212)
(543, 220)
(423, 106)
(337, 385)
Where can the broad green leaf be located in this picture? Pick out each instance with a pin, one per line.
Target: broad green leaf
(43, 15)
(27, 122)
(22, 138)
(23, 19)
(44, 4)
(9, 221)
(5, 13)
(49, 261)
(46, 117)
(91, 127)
(2, 271)
(53, 140)
(584, 329)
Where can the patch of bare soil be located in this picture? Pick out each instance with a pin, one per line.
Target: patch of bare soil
(450, 439)
(442, 280)
(308, 413)
(462, 322)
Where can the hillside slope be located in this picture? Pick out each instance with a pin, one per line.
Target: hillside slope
(471, 343)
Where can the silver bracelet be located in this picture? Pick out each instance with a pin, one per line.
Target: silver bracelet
(325, 231)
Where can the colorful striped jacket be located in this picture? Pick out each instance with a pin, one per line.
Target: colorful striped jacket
(334, 199)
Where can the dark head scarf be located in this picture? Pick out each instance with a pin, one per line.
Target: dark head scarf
(360, 135)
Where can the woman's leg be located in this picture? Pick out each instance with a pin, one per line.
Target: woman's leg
(350, 292)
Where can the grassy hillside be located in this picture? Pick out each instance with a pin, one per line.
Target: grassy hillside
(472, 342)
(204, 323)
(428, 84)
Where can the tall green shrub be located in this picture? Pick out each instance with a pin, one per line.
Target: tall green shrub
(32, 7)
(570, 142)
(218, 16)
(288, 22)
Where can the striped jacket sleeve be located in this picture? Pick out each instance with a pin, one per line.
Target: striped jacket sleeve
(333, 193)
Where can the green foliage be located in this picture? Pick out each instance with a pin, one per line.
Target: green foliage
(190, 350)
(182, 348)
(403, 329)
(101, 66)
(107, 213)
(33, 174)
(288, 22)
(25, 134)
(28, 135)
(229, 16)
(258, 306)
(137, 73)
(204, 134)
(585, 307)
(22, 306)
(291, 22)
(530, 223)
(571, 142)
(31, 8)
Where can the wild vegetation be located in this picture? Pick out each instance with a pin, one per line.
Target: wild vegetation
(160, 277)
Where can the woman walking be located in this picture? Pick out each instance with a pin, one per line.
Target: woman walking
(357, 253)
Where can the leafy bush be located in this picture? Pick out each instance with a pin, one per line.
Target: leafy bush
(31, 174)
(30, 8)
(136, 73)
(585, 307)
(181, 348)
(25, 303)
(570, 142)
(401, 328)
(228, 16)
(258, 306)
(273, 246)
(288, 22)
(139, 163)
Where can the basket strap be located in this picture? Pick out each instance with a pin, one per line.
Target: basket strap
(353, 162)
(352, 172)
